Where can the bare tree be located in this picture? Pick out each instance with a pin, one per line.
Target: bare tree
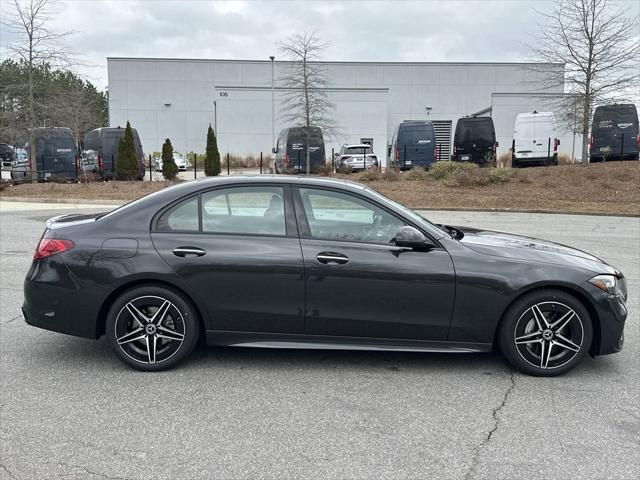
(35, 45)
(305, 99)
(599, 45)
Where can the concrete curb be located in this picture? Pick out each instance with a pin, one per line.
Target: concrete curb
(116, 203)
(71, 201)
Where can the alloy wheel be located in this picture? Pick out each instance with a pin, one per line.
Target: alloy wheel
(549, 335)
(149, 329)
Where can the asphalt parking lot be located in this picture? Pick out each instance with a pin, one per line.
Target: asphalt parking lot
(70, 409)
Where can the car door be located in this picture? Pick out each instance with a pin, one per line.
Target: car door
(237, 248)
(358, 282)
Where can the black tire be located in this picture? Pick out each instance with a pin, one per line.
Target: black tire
(520, 324)
(172, 338)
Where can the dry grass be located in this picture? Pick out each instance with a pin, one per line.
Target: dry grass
(609, 188)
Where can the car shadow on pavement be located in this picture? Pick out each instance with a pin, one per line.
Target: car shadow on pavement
(64, 351)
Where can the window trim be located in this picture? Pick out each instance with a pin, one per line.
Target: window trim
(305, 230)
(291, 229)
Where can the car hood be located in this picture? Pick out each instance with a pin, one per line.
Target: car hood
(508, 245)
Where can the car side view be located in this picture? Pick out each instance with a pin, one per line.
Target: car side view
(283, 261)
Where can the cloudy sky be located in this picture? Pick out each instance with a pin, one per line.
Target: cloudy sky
(358, 30)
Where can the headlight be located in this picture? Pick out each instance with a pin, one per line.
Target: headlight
(609, 284)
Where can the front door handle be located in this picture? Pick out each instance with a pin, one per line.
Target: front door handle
(332, 258)
(188, 251)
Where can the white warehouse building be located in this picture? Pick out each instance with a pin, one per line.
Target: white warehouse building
(178, 99)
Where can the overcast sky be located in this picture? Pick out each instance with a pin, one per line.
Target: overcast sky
(359, 30)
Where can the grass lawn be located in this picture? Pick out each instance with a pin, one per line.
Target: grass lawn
(609, 188)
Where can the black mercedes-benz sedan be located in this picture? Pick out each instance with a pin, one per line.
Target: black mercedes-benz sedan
(298, 262)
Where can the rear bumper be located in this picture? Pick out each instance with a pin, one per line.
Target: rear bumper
(56, 301)
(524, 160)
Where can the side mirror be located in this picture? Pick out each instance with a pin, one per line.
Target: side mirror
(273, 150)
(497, 144)
(557, 141)
(412, 238)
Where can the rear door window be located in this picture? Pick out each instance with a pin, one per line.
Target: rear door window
(244, 210)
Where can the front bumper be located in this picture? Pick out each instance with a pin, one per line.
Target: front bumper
(611, 312)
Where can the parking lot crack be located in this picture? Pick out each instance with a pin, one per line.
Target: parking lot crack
(89, 472)
(495, 415)
(12, 319)
(11, 474)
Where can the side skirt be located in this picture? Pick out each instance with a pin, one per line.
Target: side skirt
(323, 342)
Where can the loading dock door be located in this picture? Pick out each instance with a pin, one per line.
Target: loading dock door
(443, 138)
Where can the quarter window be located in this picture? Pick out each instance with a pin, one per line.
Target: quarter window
(180, 218)
(244, 210)
(339, 216)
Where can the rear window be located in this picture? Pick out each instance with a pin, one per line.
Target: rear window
(471, 130)
(525, 129)
(357, 150)
(621, 116)
(109, 144)
(56, 144)
(415, 135)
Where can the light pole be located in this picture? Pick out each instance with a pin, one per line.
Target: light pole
(273, 107)
(215, 118)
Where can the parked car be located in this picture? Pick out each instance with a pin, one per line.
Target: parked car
(614, 133)
(265, 261)
(56, 156)
(291, 149)
(7, 155)
(356, 157)
(105, 141)
(413, 145)
(181, 162)
(475, 141)
(534, 140)
(89, 162)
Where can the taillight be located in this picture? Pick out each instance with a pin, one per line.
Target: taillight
(51, 246)
(555, 144)
(100, 163)
(638, 139)
(590, 142)
(435, 152)
(397, 154)
(286, 159)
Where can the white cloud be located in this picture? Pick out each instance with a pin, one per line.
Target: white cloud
(374, 31)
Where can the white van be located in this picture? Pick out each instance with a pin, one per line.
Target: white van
(534, 140)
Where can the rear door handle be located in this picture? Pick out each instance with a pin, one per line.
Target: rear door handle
(188, 251)
(332, 258)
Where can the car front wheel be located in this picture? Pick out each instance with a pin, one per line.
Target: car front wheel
(152, 328)
(545, 333)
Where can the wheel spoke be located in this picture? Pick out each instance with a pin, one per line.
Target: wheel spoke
(534, 337)
(140, 317)
(539, 317)
(562, 321)
(566, 343)
(169, 334)
(158, 317)
(545, 353)
(151, 348)
(137, 334)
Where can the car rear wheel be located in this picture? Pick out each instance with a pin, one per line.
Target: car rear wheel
(545, 333)
(152, 328)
